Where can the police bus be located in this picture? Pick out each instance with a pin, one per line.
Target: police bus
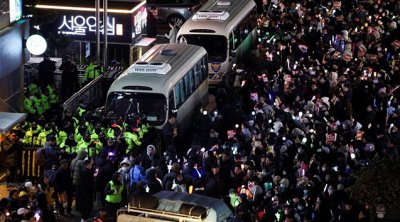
(169, 78)
(175, 206)
(226, 29)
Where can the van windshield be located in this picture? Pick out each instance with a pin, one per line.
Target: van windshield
(151, 106)
(215, 45)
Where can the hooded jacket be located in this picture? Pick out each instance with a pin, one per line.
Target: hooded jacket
(76, 166)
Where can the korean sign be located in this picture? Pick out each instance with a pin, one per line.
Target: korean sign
(139, 22)
(82, 26)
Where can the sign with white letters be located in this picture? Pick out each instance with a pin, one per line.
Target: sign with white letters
(81, 25)
(121, 28)
(139, 22)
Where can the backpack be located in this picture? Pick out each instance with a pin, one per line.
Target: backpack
(51, 174)
(40, 156)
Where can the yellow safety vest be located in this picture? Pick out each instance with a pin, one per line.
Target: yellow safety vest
(115, 198)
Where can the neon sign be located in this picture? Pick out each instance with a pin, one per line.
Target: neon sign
(139, 22)
(80, 25)
(15, 10)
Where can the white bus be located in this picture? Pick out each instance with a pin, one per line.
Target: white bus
(168, 78)
(168, 206)
(226, 29)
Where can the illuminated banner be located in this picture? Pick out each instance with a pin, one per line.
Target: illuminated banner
(82, 26)
(121, 28)
(4, 13)
(139, 23)
(15, 10)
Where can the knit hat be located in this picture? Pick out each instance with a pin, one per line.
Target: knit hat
(22, 193)
(361, 47)
(393, 25)
(325, 100)
(347, 55)
(330, 50)
(28, 185)
(285, 182)
(125, 161)
(22, 211)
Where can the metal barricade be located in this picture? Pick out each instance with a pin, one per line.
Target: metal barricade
(81, 75)
(29, 168)
(93, 94)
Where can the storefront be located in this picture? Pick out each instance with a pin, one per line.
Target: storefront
(76, 19)
(13, 54)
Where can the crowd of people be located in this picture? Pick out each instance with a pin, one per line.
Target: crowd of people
(317, 101)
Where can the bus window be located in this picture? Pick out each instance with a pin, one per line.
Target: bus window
(237, 37)
(151, 105)
(179, 94)
(184, 89)
(204, 69)
(171, 100)
(215, 45)
(188, 83)
(231, 41)
(197, 75)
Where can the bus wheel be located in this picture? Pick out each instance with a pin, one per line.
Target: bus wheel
(176, 20)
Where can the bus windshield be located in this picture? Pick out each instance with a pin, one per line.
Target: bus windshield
(215, 45)
(151, 106)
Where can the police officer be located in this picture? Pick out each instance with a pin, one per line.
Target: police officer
(51, 93)
(114, 130)
(37, 104)
(43, 135)
(31, 135)
(98, 130)
(142, 128)
(69, 145)
(63, 134)
(29, 106)
(131, 138)
(88, 145)
(92, 71)
(113, 191)
(33, 88)
(81, 111)
(45, 102)
(80, 131)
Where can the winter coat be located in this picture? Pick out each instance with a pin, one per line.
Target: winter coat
(63, 180)
(52, 156)
(76, 167)
(86, 190)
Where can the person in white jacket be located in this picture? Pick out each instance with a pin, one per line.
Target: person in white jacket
(172, 33)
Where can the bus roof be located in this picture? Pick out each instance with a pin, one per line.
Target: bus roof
(231, 13)
(159, 68)
(191, 207)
